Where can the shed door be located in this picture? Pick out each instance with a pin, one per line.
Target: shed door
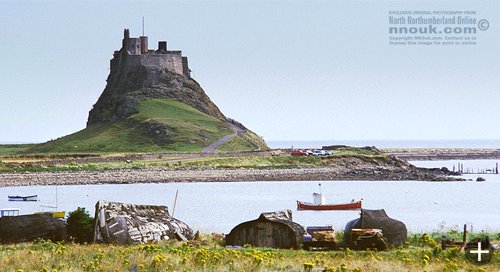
(265, 234)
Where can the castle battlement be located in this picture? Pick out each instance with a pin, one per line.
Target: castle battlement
(135, 51)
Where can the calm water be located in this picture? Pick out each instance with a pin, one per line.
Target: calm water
(390, 143)
(219, 207)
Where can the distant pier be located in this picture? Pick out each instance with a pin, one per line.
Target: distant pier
(460, 169)
(445, 154)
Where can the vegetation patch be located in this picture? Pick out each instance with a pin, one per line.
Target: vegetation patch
(237, 143)
(14, 149)
(259, 162)
(358, 152)
(80, 225)
(159, 125)
(68, 162)
(209, 254)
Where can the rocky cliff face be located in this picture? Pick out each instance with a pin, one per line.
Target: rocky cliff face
(128, 85)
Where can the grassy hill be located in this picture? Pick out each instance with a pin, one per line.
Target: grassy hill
(159, 125)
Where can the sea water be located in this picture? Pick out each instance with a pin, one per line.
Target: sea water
(219, 206)
(389, 143)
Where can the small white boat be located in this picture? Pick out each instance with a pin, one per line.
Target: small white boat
(24, 198)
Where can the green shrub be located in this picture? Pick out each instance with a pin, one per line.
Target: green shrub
(80, 226)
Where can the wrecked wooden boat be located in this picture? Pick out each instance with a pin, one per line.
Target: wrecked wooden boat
(123, 223)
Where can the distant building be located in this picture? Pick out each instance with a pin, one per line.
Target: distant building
(135, 51)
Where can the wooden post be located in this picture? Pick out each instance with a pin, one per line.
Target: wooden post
(465, 234)
(497, 168)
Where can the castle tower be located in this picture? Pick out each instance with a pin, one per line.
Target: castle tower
(135, 51)
(132, 45)
(185, 68)
(126, 36)
(162, 47)
(144, 44)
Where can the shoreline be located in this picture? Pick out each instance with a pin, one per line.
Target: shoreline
(348, 164)
(169, 175)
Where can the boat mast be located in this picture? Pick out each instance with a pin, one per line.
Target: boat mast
(175, 202)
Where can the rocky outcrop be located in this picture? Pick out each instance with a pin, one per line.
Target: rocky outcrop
(159, 132)
(128, 85)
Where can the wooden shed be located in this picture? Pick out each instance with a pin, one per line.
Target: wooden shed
(271, 229)
(393, 230)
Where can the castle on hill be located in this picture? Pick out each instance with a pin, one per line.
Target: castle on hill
(135, 52)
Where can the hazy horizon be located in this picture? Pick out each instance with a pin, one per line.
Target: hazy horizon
(397, 143)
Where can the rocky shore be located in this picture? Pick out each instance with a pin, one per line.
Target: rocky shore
(353, 164)
(167, 174)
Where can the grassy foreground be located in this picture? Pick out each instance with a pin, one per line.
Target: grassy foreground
(207, 254)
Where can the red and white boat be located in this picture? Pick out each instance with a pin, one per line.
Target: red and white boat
(319, 204)
(302, 206)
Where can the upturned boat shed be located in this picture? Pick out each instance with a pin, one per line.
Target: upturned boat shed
(271, 229)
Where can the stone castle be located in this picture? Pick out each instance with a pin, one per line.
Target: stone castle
(135, 52)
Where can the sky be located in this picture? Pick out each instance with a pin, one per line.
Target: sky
(290, 70)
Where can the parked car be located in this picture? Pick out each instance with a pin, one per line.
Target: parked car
(299, 153)
(309, 152)
(276, 153)
(321, 153)
(318, 153)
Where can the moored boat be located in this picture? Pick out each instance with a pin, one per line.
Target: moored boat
(24, 198)
(328, 207)
(319, 204)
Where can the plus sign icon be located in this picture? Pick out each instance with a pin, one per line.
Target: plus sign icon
(480, 253)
